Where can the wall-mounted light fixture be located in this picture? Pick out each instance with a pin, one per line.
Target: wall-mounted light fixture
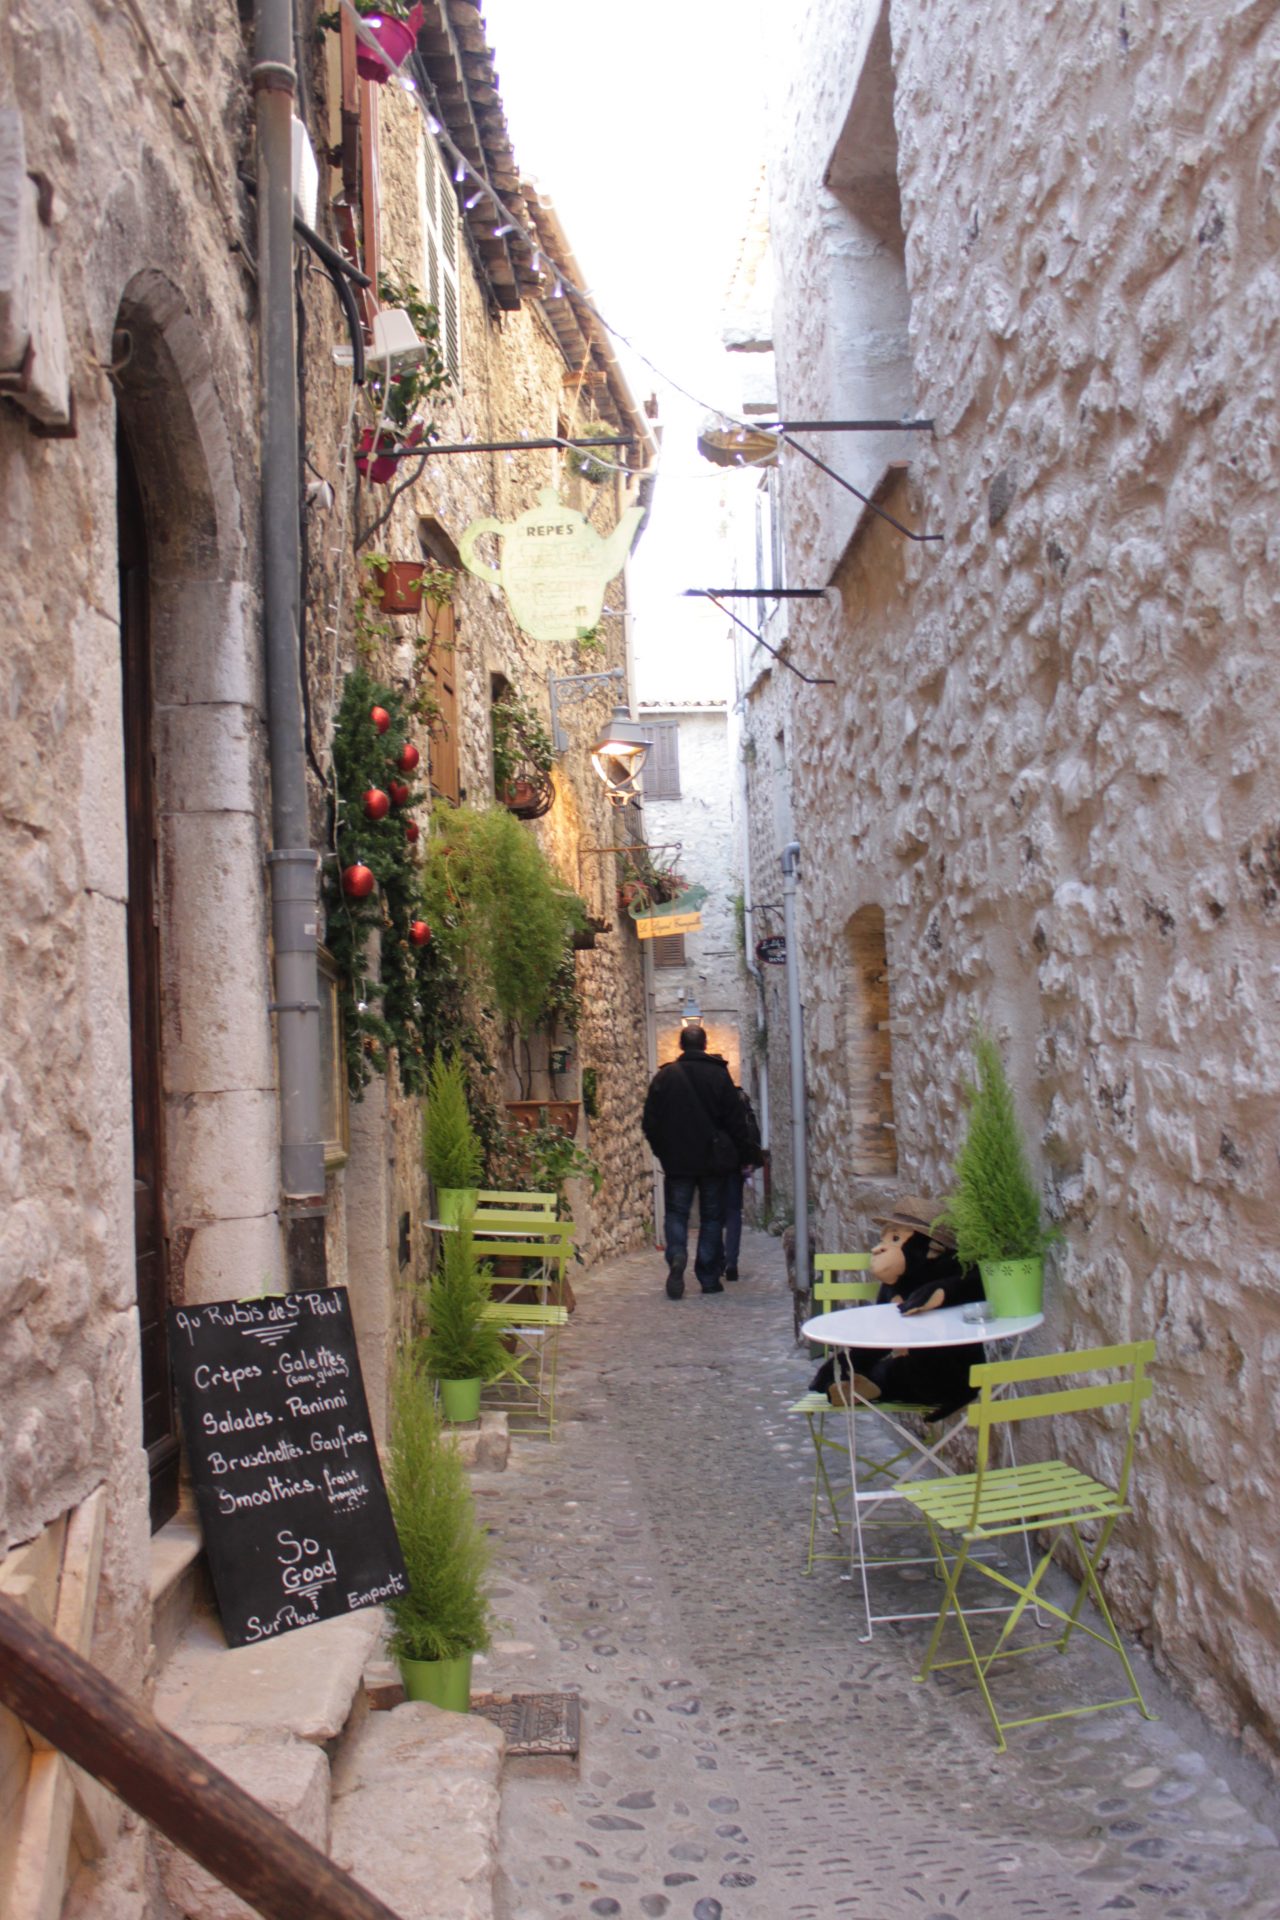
(621, 749)
(692, 1015)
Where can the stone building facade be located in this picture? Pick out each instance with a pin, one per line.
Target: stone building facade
(1042, 792)
(135, 817)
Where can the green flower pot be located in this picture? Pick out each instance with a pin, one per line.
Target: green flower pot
(455, 1203)
(461, 1399)
(445, 1683)
(1014, 1288)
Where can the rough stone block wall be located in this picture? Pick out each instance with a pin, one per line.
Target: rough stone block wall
(1065, 745)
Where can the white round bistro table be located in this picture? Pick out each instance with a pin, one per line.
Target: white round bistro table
(886, 1329)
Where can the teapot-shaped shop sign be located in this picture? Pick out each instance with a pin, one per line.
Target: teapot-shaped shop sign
(555, 566)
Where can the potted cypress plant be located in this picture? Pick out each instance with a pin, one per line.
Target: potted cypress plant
(995, 1210)
(461, 1348)
(453, 1153)
(443, 1618)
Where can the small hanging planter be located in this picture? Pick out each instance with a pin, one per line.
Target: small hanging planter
(402, 586)
(584, 938)
(378, 455)
(397, 39)
(561, 1114)
(529, 795)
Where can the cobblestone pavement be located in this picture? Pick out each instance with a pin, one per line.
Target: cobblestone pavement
(744, 1757)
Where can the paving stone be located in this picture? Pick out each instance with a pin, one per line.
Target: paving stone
(483, 1444)
(415, 1811)
(816, 1779)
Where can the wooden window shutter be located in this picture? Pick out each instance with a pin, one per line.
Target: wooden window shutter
(661, 773)
(442, 759)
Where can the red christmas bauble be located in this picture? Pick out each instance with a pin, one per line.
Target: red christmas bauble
(411, 831)
(380, 718)
(409, 757)
(399, 792)
(377, 805)
(419, 932)
(358, 882)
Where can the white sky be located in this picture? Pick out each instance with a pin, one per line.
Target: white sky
(645, 128)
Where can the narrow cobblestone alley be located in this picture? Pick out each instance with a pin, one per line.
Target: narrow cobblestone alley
(744, 1757)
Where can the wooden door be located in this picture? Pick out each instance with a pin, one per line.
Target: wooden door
(159, 1418)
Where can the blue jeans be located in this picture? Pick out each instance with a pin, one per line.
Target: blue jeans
(734, 1184)
(678, 1193)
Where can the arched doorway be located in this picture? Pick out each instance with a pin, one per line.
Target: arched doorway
(205, 1131)
(159, 1414)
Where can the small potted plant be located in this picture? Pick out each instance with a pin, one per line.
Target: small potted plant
(595, 465)
(461, 1349)
(400, 583)
(523, 756)
(453, 1154)
(995, 1211)
(443, 1618)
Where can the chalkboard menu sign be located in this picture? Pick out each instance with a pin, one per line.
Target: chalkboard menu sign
(296, 1521)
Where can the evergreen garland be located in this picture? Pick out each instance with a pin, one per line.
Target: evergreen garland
(395, 1008)
(995, 1209)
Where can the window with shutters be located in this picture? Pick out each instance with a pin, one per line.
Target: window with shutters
(865, 1009)
(660, 775)
(668, 951)
(438, 209)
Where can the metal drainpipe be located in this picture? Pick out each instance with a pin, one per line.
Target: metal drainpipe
(799, 1117)
(292, 860)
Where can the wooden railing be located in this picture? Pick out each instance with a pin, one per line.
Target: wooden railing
(66, 1701)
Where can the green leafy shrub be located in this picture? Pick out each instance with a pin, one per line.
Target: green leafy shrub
(460, 1343)
(445, 1612)
(995, 1208)
(449, 1142)
(498, 909)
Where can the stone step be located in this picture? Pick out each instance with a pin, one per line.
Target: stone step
(415, 1811)
(265, 1715)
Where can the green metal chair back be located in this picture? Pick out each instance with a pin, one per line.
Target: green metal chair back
(1050, 1497)
(490, 1198)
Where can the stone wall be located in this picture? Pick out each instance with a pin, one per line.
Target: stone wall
(1057, 750)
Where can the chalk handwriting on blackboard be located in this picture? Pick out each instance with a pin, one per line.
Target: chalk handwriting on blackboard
(295, 1514)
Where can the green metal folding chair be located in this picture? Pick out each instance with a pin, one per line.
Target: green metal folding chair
(1051, 1496)
(491, 1199)
(830, 1293)
(524, 1387)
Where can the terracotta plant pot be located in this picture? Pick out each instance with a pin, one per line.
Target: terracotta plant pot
(529, 796)
(402, 587)
(559, 1113)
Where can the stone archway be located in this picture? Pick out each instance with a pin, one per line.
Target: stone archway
(218, 1106)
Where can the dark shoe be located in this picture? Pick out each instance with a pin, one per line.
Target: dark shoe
(675, 1283)
(715, 1287)
(730, 1273)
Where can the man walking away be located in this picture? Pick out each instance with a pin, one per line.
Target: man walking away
(695, 1123)
(734, 1186)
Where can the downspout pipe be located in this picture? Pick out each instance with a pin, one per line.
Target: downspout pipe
(799, 1115)
(293, 861)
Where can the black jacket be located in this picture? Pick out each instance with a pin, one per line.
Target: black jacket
(687, 1100)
